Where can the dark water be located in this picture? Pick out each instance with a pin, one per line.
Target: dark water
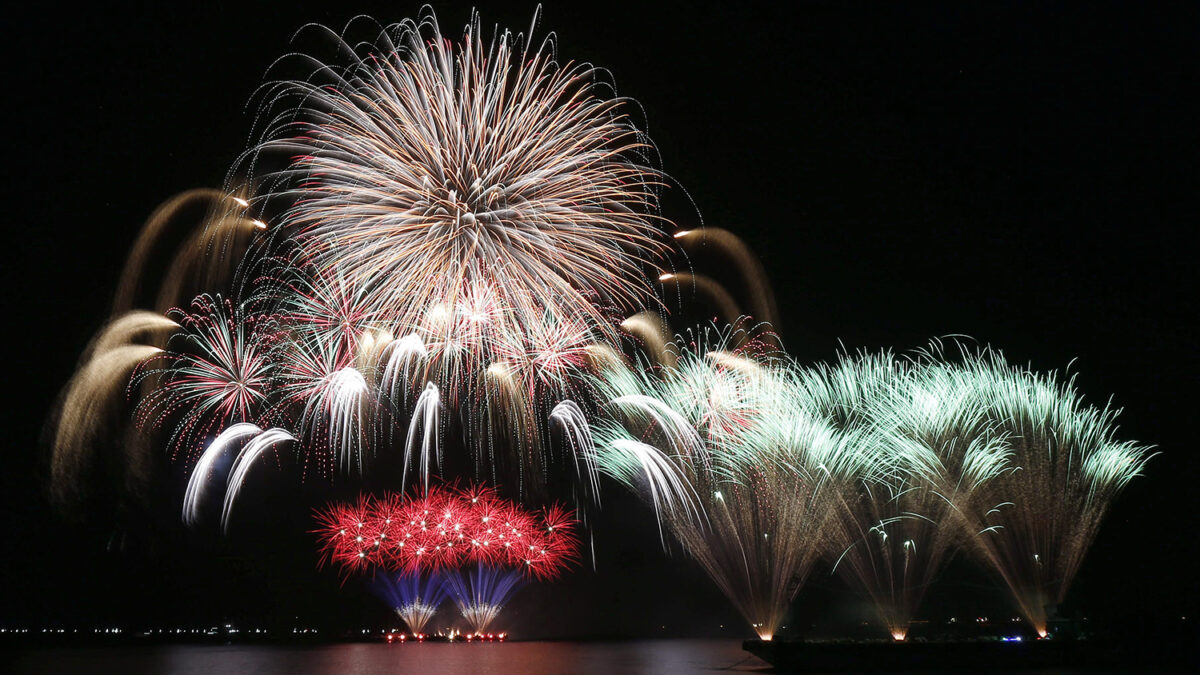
(663, 656)
(514, 658)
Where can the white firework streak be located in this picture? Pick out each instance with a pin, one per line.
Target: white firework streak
(679, 431)
(575, 425)
(669, 487)
(346, 388)
(426, 412)
(402, 353)
(241, 466)
(202, 472)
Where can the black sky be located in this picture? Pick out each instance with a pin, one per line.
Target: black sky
(1025, 175)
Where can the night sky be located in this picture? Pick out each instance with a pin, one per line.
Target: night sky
(1025, 176)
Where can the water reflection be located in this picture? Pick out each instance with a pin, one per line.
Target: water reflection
(664, 657)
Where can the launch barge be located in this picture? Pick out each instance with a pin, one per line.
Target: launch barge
(835, 657)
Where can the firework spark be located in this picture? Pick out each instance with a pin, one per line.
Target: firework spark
(414, 597)
(1071, 468)
(759, 292)
(893, 530)
(426, 414)
(332, 398)
(205, 245)
(89, 399)
(731, 431)
(569, 417)
(481, 593)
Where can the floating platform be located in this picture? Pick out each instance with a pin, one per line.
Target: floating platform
(863, 657)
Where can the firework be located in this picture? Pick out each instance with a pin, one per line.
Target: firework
(740, 472)
(444, 528)
(214, 245)
(127, 329)
(654, 334)
(758, 288)
(326, 399)
(726, 307)
(480, 593)
(242, 464)
(202, 473)
(322, 308)
(1071, 467)
(445, 233)
(89, 399)
(570, 418)
(414, 597)
(426, 413)
(219, 373)
(893, 530)
(480, 197)
(211, 461)
(493, 207)
(456, 229)
(435, 174)
(133, 341)
(974, 453)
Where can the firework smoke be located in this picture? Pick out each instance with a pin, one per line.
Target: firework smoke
(90, 401)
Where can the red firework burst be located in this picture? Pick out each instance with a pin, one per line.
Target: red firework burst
(447, 528)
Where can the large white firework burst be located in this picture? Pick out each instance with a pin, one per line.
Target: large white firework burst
(427, 174)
